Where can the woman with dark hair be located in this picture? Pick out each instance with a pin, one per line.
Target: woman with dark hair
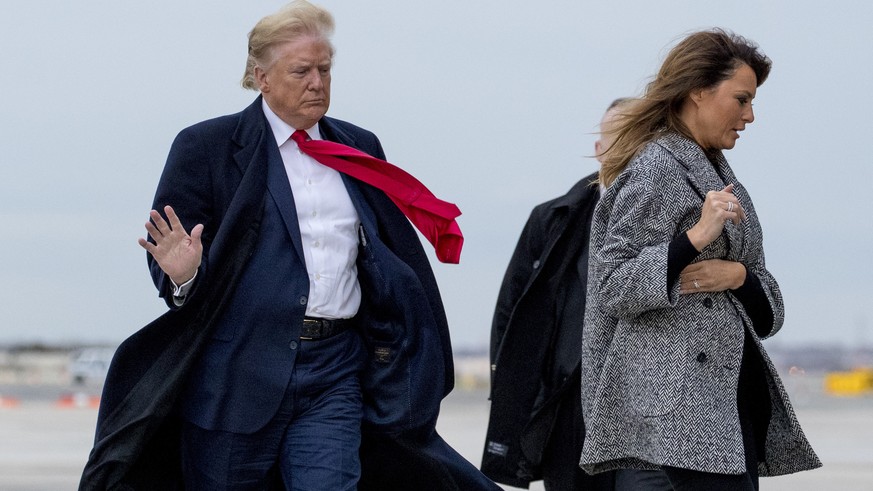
(674, 375)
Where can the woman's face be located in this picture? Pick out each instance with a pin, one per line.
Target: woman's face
(724, 110)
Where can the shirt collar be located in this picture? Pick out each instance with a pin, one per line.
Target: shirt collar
(281, 130)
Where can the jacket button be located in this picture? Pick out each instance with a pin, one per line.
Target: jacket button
(536, 264)
(302, 300)
(701, 357)
(707, 302)
(293, 345)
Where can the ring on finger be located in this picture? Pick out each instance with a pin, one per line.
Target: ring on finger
(730, 206)
(696, 284)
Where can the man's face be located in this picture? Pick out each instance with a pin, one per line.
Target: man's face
(296, 84)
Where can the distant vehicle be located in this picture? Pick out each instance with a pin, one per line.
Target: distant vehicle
(90, 365)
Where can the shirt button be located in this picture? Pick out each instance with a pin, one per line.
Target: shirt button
(314, 213)
(302, 300)
(316, 244)
(701, 357)
(293, 345)
(317, 276)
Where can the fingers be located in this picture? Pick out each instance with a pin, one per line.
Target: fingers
(690, 284)
(161, 226)
(711, 275)
(696, 280)
(159, 223)
(699, 277)
(153, 231)
(734, 210)
(726, 205)
(196, 232)
(160, 230)
(146, 245)
(175, 223)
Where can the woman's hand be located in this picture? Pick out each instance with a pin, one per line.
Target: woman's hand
(718, 207)
(712, 275)
(177, 253)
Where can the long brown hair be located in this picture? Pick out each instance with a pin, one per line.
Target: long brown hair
(700, 61)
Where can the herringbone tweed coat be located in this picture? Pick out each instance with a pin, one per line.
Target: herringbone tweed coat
(660, 370)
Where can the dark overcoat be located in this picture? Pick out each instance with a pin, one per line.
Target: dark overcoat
(228, 168)
(536, 334)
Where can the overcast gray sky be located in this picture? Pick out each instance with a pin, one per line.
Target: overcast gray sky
(493, 104)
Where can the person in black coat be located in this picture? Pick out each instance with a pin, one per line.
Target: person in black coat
(535, 429)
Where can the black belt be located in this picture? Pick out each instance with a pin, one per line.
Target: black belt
(323, 328)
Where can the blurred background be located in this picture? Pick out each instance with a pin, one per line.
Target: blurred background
(493, 104)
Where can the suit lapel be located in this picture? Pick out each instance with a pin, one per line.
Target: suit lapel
(258, 144)
(283, 196)
(335, 134)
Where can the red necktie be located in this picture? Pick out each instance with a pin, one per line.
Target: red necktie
(434, 217)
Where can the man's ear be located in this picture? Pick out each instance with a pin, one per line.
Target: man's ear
(261, 79)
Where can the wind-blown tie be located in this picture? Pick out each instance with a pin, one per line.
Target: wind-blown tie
(434, 217)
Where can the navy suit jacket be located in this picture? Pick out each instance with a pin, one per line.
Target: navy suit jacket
(239, 381)
(226, 353)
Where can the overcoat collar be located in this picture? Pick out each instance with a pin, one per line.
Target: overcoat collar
(700, 170)
(578, 194)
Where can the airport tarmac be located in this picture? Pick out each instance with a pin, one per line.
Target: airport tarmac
(45, 439)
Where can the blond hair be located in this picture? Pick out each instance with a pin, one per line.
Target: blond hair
(295, 20)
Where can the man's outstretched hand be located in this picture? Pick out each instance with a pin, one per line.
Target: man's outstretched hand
(177, 253)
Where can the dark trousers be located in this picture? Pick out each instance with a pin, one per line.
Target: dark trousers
(311, 443)
(641, 480)
(674, 478)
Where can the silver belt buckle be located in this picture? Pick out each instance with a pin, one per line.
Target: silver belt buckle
(311, 321)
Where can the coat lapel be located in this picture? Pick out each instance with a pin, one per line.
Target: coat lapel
(702, 176)
(258, 145)
(335, 134)
(283, 196)
(735, 233)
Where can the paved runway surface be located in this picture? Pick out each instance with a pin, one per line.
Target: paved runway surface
(43, 445)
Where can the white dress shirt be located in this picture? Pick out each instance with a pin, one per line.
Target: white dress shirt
(328, 228)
